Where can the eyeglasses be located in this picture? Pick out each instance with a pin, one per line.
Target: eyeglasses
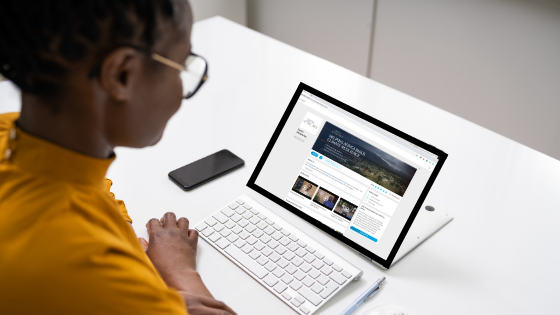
(193, 73)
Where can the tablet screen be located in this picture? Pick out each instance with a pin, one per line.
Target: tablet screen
(347, 173)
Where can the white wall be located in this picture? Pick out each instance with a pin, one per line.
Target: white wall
(235, 10)
(335, 30)
(493, 62)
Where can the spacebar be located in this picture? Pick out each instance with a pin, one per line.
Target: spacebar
(246, 261)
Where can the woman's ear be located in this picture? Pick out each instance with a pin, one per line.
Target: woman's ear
(119, 71)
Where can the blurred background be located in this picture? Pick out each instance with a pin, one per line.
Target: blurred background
(493, 62)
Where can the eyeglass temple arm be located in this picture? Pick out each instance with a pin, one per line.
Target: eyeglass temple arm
(168, 62)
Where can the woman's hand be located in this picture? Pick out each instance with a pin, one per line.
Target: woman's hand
(202, 305)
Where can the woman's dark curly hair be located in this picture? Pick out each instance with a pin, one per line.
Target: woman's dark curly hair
(40, 39)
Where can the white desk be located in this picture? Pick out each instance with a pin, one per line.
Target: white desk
(505, 197)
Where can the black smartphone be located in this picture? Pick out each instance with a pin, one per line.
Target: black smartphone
(206, 169)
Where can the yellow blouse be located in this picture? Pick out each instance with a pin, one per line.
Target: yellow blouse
(65, 245)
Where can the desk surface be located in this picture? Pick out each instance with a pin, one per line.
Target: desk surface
(505, 197)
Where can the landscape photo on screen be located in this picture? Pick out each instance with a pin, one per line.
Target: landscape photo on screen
(364, 159)
(304, 187)
(345, 209)
(325, 198)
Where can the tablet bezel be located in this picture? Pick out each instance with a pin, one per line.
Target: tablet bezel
(386, 263)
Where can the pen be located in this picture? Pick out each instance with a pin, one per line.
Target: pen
(370, 292)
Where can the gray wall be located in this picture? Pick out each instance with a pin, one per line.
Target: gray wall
(493, 62)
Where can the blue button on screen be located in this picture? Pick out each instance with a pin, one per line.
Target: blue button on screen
(363, 233)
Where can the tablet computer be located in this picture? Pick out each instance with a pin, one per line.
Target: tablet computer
(347, 173)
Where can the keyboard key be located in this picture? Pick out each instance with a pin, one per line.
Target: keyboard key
(207, 232)
(314, 273)
(297, 261)
(255, 254)
(292, 246)
(254, 220)
(295, 285)
(266, 251)
(261, 216)
(258, 233)
(285, 232)
(323, 279)
(232, 238)
(278, 272)
(287, 279)
(248, 206)
(305, 267)
(247, 215)
(327, 261)
(211, 221)
(253, 210)
(240, 210)
(225, 232)
(201, 226)
(317, 288)
(277, 226)
(301, 252)
(277, 235)
(236, 229)
(309, 258)
(262, 260)
(246, 261)
(299, 275)
(301, 243)
(269, 221)
(236, 217)
(259, 245)
(270, 266)
(307, 281)
(244, 235)
(289, 255)
(346, 274)
(261, 225)
(270, 280)
(274, 257)
(222, 243)
(280, 250)
(233, 205)
(243, 223)
(337, 278)
(310, 296)
(293, 238)
(273, 244)
(251, 240)
(319, 255)
(318, 264)
(304, 309)
(287, 296)
(337, 267)
(229, 224)
(218, 227)
(284, 241)
(310, 249)
(239, 201)
(282, 263)
(295, 302)
(265, 238)
(239, 243)
(280, 287)
(326, 270)
(269, 230)
(247, 248)
(291, 269)
(329, 289)
(250, 228)
(227, 212)
(220, 217)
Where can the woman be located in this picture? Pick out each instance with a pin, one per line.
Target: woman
(94, 75)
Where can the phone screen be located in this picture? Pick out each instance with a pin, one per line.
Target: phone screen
(206, 169)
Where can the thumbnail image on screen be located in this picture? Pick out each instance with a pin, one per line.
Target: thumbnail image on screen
(304, 187)
(325, 198)
(364, 159)
(345, 209)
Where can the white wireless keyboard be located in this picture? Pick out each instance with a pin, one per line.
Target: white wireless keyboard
(289, 263)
